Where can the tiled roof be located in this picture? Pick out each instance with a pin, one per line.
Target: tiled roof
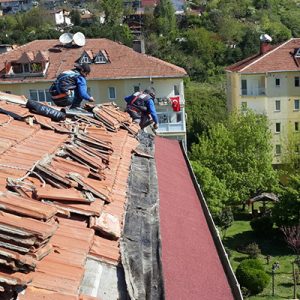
(62, 198)
(279, 58)
(124, 62)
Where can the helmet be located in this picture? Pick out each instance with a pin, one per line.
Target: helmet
(150, 91)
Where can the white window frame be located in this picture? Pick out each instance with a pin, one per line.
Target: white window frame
(100, 59)
(277, 149)
(45, 93)
(85, 59)
(244, 87)
(277, 105)
(112, 88)
(296, 106)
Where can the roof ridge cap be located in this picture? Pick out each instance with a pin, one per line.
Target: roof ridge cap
(266, 54)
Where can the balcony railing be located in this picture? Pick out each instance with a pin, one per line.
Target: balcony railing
(171, 122)
(253, 92)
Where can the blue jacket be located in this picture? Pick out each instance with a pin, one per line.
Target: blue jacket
(149, 104)
(82, 88)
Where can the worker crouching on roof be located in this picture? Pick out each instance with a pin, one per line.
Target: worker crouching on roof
(141, 108)
(70, 87)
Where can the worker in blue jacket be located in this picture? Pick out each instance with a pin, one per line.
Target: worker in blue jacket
(141, 108)
(70, 87)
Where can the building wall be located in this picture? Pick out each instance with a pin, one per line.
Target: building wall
(99, 89)
(279, 87)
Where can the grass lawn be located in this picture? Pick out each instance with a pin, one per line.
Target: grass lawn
(240, 233)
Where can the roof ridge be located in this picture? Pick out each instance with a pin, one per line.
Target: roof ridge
(266, 54)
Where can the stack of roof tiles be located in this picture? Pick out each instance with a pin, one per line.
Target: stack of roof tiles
(62, 197)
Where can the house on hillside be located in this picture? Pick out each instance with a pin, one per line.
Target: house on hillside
(269, 83)
(116, 71)
(62, 18)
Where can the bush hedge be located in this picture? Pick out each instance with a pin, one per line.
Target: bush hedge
(251, 275)
(262, 225)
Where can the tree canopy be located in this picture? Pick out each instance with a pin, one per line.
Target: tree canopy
(238, 153)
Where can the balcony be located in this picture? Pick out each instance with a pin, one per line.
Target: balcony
(253, 92)
(170, 121)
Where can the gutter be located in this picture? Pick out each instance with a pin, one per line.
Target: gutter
(235, 286)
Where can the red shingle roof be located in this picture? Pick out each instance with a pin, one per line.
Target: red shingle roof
(124, 61)
(280, 58)
(53, 249)
(191, 264)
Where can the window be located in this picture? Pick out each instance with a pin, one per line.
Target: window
(100, 59)
(296, 104)
(277, 149)
(244, 86)
(277, 82)
(244, 106)
(277, 105)
(85, 59)
(40, 95)
(176, 90)
(136, 88)
(277, 127)
(297, 81)
(296, 126)
(26, 68)
(111, 93)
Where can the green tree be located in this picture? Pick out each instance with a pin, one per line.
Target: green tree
(113, 10)
(225, 220)
(213, 188)
(286, 212)
(165, 18)
(239, 154)
(205, 106)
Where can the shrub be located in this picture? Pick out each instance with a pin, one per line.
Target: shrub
(262, 225)
(253, 250)
(251, 275)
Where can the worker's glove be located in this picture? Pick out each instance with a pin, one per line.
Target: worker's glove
(155, 126)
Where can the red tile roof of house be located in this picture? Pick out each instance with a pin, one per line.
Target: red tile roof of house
(124, 62)
(44, 239)
(191, 263)
(277, 59)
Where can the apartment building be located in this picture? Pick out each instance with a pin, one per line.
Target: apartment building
(269, 84)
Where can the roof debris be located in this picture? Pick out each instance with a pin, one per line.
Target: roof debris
(62, 196)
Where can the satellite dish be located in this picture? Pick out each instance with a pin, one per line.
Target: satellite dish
(66, 38)
(79, 39)
(265, 38)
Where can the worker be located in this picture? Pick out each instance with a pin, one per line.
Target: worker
(141, 108)
(70, 87)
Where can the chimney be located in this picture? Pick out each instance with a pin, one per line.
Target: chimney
(265, 43)
(138, 46)
(264, 47)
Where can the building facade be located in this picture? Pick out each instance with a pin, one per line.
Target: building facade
(116, 71)
(269, 84)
